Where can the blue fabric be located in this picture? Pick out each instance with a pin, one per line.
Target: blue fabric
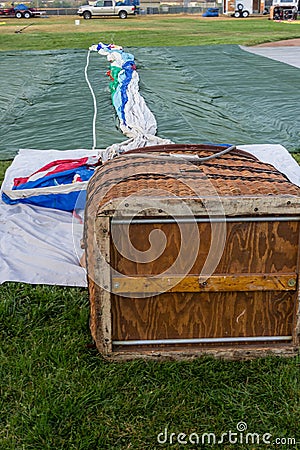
(64, 202)
(125, 78)
(58, 178)
(120, 96)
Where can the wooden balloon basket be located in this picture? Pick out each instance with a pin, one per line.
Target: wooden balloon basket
(189, 253)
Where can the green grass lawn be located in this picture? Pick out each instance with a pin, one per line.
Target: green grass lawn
(56, 390)
(57, 393)
(142, 31)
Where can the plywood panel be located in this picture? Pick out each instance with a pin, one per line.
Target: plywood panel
(256, 247)
(182, 315)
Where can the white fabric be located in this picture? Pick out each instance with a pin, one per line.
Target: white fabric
(139, 141)
(139, 118)
(39, 245)
(60, 189)
(278, 156)
(42, 246)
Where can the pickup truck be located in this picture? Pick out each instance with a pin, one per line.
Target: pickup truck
(107, 8)
(21, 11)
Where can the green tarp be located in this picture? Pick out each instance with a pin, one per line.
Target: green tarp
(199, 94)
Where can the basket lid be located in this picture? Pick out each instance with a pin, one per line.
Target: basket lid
(186, 171)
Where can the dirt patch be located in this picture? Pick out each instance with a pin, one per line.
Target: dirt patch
(286, 43)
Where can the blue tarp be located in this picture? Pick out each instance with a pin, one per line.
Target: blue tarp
(21, 7)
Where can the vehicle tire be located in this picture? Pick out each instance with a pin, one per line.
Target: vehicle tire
(27, 15)
(87, 15)
(236, 14)
(18, 15)
(240, 7)
(245, 14)
(123, 14)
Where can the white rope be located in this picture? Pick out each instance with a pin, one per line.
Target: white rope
(94, 99)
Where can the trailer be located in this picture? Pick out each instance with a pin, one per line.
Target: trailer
(284, 10)
(21, 11)
(243, 8)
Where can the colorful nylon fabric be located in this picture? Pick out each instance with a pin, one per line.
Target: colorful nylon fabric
(121, 74)
(136, 121)
(56, 185)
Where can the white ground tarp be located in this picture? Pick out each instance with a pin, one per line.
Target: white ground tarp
(42, 246)
(287, 55)
(278, 156)
(39, 245)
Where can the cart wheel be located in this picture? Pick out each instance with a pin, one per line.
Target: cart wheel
(27, 15)
(18, 15)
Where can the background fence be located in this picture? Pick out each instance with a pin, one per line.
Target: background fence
(145, 10)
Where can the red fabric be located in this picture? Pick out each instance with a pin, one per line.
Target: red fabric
(59, 165)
